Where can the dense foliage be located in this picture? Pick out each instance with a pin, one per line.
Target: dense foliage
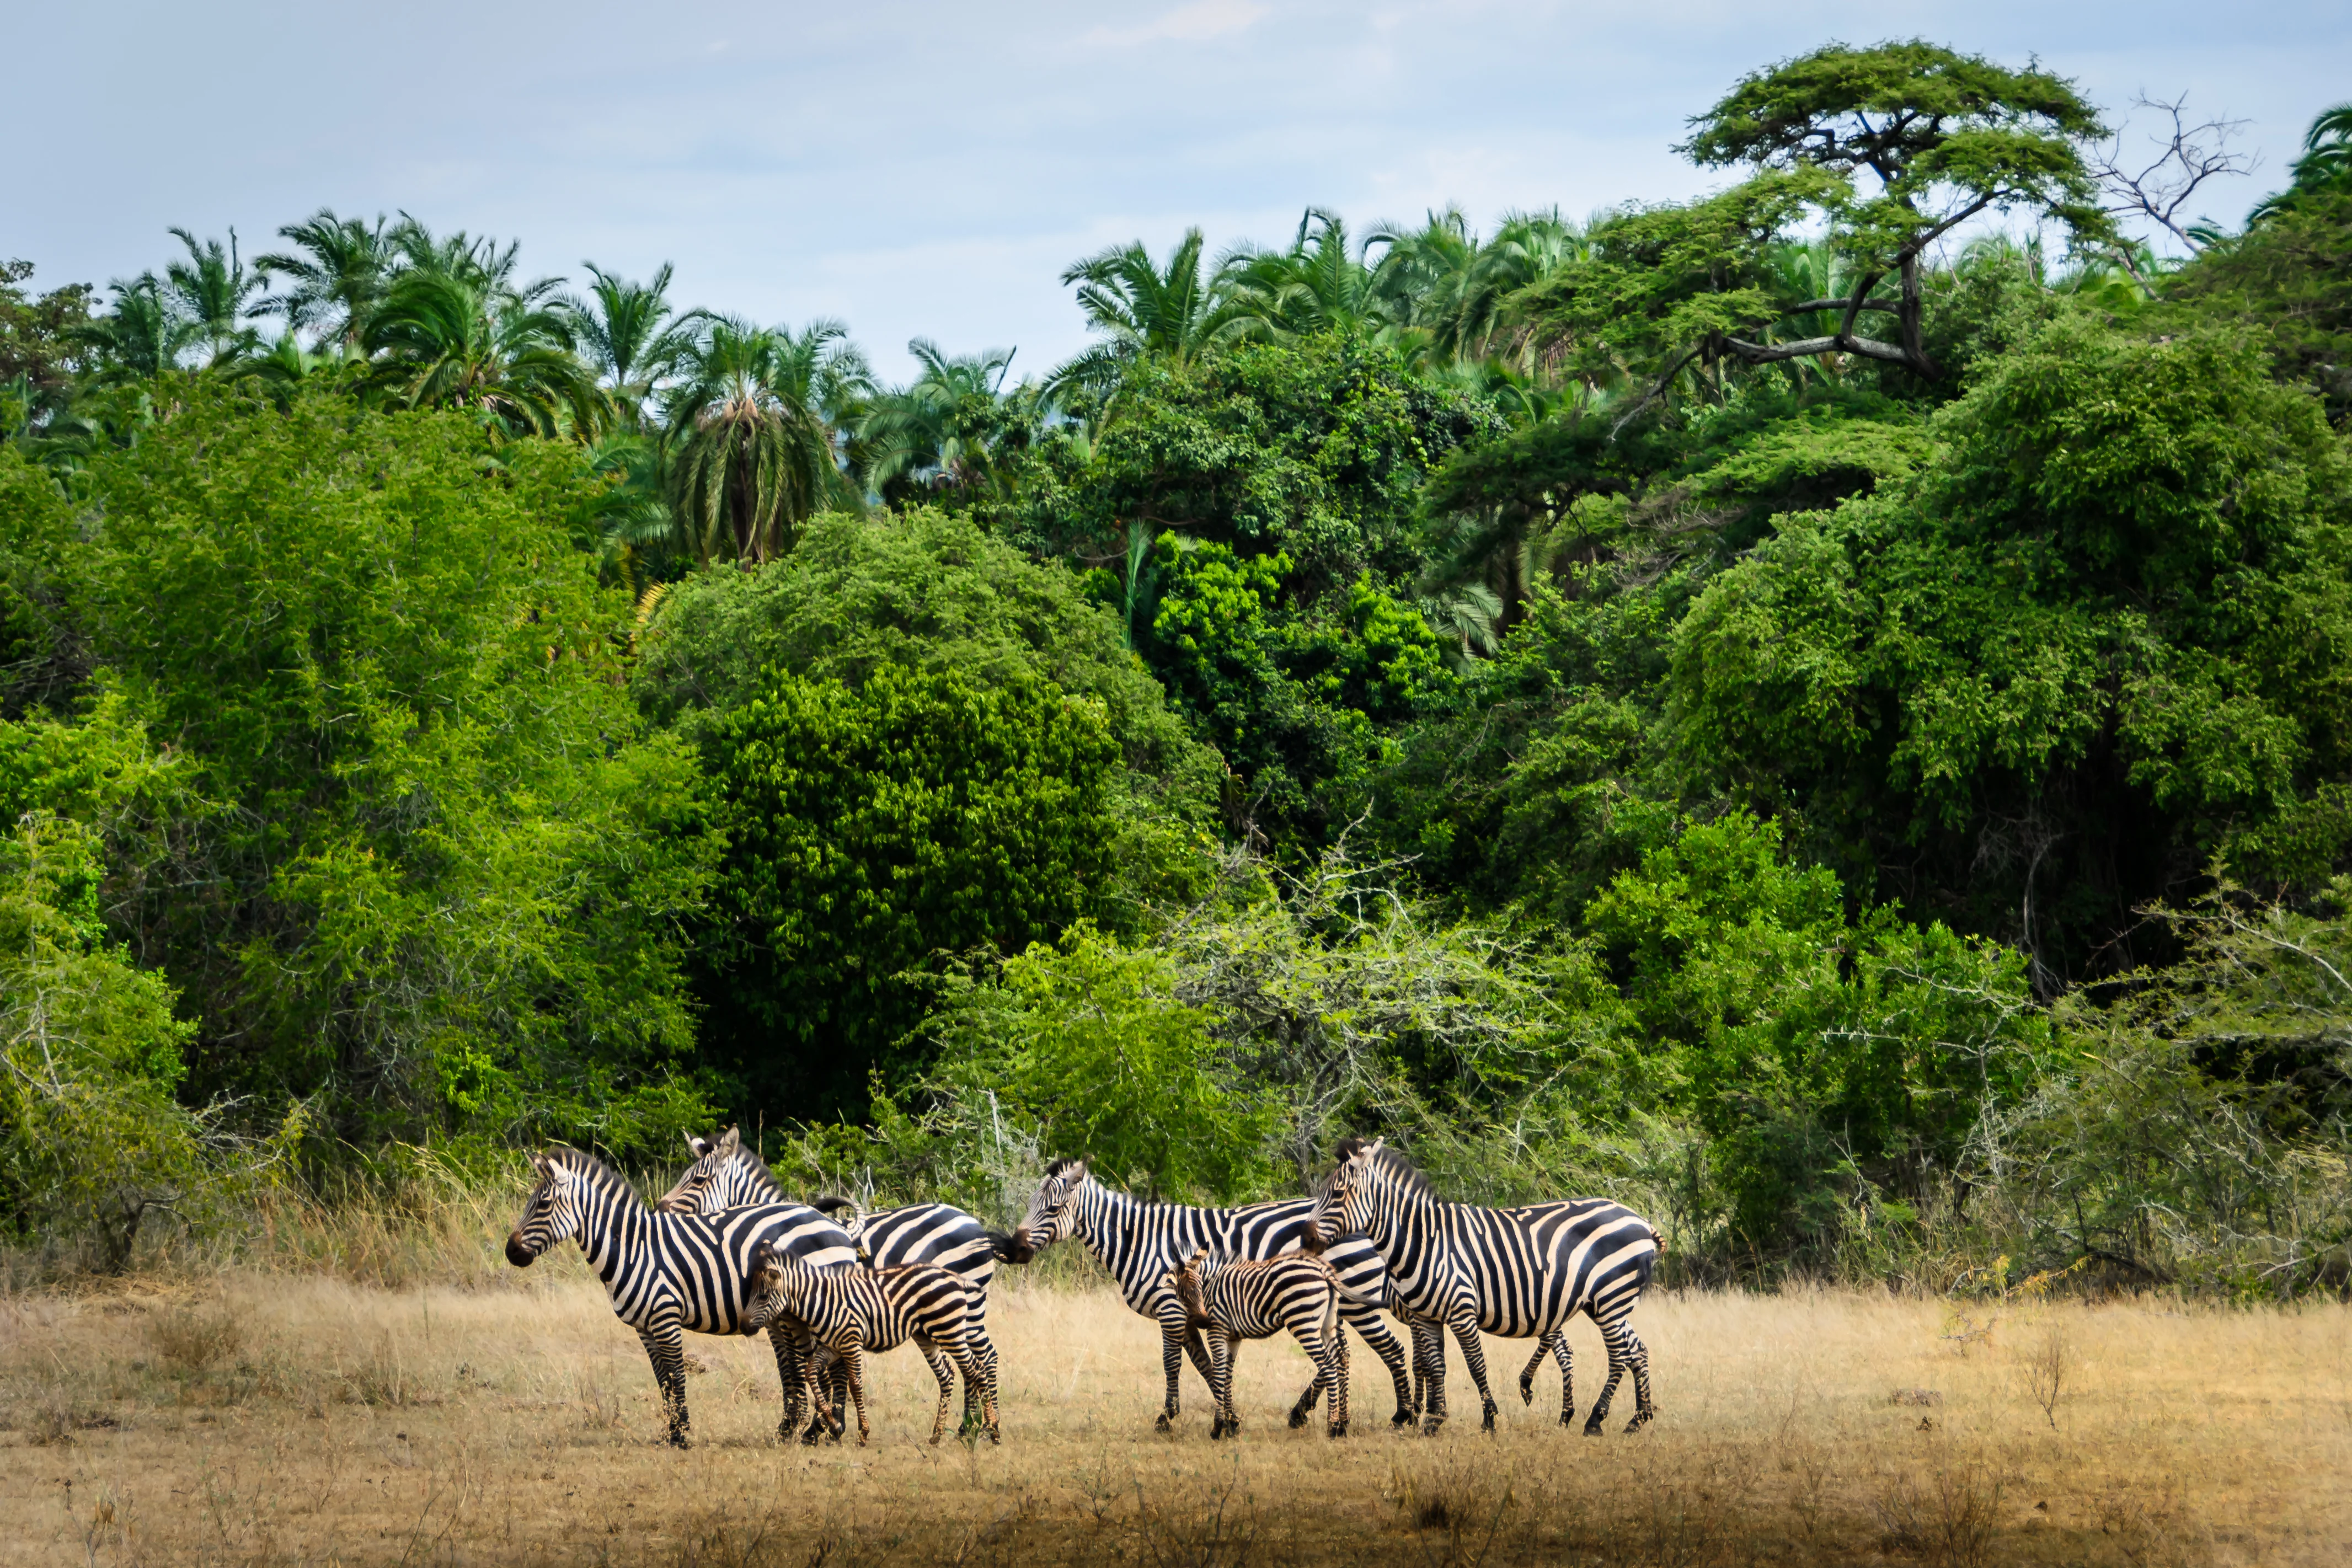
(1795, 707)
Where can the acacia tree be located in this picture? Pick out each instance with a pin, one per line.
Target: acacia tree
(1946, 136)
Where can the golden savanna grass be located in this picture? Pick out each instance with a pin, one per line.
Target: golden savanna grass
(260, 1418)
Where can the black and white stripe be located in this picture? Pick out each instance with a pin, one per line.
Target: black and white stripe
(1517, 1272)
(725, 1176)
(1140, 1242)
(851, 1312)
(667, 1273)
(1231, 1300)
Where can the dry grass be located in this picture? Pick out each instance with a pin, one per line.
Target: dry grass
(266, 1419)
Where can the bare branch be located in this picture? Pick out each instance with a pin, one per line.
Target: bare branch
(2186, 158)
(1767, 353)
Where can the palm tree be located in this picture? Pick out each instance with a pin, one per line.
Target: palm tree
(1144, 310)
(441, 340)
(2326, 164)
(752, 424)
(1444, 279)
(1318, 284)
(339, 269)
(142, 336)
(213, 292)
(934, 429)
(628, 335)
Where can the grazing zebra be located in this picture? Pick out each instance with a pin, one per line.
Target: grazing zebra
(1140, 1241)
(725, 1175)
(1510, 1271)
(851, 1312)
(669, 1272)
(1231, 1300)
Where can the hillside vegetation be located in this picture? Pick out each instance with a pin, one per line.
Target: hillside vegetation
(1823, 711)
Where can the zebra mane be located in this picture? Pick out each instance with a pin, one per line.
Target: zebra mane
(751, 1156)
(1062, 1167)
(1398, 1168)
(594, 1170)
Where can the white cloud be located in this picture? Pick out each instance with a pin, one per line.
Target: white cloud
(1187, 24)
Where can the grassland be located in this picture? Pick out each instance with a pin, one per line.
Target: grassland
(254, 1417)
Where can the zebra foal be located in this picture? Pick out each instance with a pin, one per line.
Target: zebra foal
(1230, 1299)
(853, 1312)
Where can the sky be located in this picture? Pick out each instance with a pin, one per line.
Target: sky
(931, 170)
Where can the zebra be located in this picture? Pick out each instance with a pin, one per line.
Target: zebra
(1510, 1271)
(1139, 1242)
(1231, 1300)
(725, 1175)
(669, 1272)
(854, 1311)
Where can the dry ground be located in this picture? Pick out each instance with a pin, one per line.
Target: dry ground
(264, 1419)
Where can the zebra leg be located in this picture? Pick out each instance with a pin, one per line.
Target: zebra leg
(981, 1372)
(1527, 1373)
(1223, 1349)
(1618, 1341)
(790, 1374)
(1626, 1353)
(1465, 1329)
(1174, 1345)
(1329, 1353)
(1429, 1362)
(665, 1348)
(1304, 1411)
(1566, 1359)
(1368, 1323)
(853, 1361)
(944, 1370)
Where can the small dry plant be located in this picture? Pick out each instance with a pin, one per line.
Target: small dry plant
(2048, 1365)
(195, 1338)
(1948, 1518)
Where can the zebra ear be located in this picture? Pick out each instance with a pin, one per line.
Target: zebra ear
(1374, 1147)
(695, 1146)
(540, 1162)
(731, 1140)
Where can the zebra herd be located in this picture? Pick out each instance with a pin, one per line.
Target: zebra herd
(724, 1251)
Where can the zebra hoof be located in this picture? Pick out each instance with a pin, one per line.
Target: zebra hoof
(1638, 1422)
(1592, 1428)
(1298, 1417)
(1429, 1426)
(1403, 1418)
(1527, 1390)
(1339, 1430)
(1163, 1424)
(1568, 1417)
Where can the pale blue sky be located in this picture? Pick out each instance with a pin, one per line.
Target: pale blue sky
(930, 169)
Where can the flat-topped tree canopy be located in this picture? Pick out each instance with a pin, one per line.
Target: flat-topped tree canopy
(1947, 136)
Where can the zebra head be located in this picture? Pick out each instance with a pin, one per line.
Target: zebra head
(548, 1215)
(1186, 1282)
(770, 1289)
(1344, 1202)
(721, 1177)
(1049, 1218)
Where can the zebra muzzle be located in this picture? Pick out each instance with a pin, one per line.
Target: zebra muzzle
(521, 1256)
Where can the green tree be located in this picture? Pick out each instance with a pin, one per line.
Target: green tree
(444, 869)
(441, 340)
(1144, 312)
(751, 426)
(338, 269)
(213, 293)
(874, 829)
(1084, 1046)
(629, 335)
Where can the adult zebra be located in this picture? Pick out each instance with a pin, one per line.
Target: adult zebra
(1511, 1271)
(667, 1273)
(725, 1176)
(1140, 1242)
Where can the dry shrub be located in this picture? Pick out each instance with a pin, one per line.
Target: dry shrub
(1949, 1517)
(194, 1337)
(2047, 1366)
